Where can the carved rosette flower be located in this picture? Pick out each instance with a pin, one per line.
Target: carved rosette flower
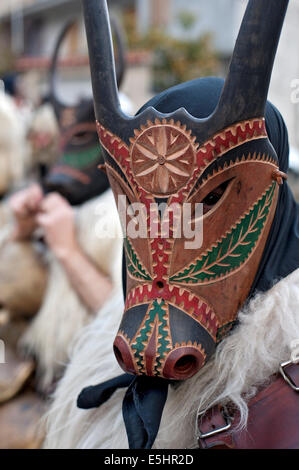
(162, 158)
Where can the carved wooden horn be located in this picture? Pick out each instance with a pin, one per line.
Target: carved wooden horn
(247, 84)
(57, 104)
(101, 57)
(246, 88)
(120, 66)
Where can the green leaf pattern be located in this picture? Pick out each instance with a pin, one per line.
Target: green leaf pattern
(134, 265)
(229, 253)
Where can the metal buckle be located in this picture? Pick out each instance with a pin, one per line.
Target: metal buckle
(227, 418)
(282, 367)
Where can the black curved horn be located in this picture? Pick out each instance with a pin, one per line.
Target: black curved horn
(57, 105)
(246, 88)
(102, 66)
(120, 64)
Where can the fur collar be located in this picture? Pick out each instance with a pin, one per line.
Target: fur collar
(244, 361)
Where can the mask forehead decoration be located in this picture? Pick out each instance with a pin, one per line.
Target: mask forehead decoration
(183, 298)
(75, 175)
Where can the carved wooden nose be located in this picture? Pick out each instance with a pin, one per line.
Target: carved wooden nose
(123, 355)
(182, 363)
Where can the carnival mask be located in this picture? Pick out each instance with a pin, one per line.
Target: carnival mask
(182, 298)
(76, 175)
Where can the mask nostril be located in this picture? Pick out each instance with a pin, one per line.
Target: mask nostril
(118, 356)
(185, 365)
(182, 363)
(123, 354)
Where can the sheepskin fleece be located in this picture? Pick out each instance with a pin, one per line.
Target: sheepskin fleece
(244, 361)
(62, 314)
(14, 151)
(6, 222)
(44, 123)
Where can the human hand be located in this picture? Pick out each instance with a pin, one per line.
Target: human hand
(25, 205)
(57, 219)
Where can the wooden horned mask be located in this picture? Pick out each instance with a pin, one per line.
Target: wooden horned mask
(75, 176)
(182, 299)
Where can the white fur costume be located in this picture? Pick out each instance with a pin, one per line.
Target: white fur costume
(62, 314)
(14, 150)
(43, 134)
(19, 159)
(244, 360)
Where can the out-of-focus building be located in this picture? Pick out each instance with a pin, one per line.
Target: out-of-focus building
(284, 90)
(222, 19)
(29, 29)
(192, 18)
(30, 25)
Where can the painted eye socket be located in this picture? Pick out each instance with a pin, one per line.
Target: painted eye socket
(214, 196)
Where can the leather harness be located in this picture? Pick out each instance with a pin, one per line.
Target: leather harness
(273, 420)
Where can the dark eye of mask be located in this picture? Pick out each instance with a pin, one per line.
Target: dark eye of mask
(81, 137)
(214, 196)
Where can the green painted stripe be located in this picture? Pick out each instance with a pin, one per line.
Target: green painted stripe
(156, 310)
(82, 158)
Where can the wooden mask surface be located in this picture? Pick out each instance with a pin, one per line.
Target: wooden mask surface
(181, 300)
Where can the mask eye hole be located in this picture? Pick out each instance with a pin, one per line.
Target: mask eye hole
(82, 137)
(214, 196)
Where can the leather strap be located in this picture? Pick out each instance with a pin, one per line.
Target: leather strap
(272, 422)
